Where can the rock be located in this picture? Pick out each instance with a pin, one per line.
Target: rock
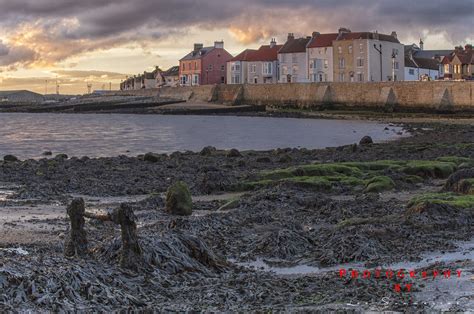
(10, 158)
(207, 151)
(366, 140)
(61, 156)
(178, 200)
(48, 153)
(233, 153)
(264, 160)
(460, 182)
(151, 157)
(285, 159)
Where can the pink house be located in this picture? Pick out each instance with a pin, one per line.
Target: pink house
(204, 65)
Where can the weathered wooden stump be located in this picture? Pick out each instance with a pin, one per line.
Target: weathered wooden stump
(132, 255)
(76, 243)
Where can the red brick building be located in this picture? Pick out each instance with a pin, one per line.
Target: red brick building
(204, 65)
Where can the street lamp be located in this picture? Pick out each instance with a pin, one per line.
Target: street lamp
(380, 52)
(394, 57)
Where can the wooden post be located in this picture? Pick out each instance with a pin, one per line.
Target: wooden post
(132, 256)
(76, 243)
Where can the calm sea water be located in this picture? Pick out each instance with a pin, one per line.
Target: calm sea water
(96, 135)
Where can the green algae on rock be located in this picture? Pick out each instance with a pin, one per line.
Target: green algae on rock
(179, 200)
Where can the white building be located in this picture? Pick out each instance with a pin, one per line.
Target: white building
(293, 60)
(320, 57)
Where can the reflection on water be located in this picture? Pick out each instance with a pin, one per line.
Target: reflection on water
(95, 135)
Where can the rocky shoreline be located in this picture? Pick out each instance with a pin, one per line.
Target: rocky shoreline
(362, 205)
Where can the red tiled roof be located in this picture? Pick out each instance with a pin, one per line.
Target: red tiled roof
(264, 53)
(295, 45)
(244, 55)
(322, 40)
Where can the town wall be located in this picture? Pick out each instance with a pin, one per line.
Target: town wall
(398, 96)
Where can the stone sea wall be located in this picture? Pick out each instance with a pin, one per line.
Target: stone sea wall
(389, 96)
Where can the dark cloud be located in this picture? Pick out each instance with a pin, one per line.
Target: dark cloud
(102, 24)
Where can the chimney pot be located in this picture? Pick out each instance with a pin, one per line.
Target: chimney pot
(219, 44)
(394, 34)
(291, 36)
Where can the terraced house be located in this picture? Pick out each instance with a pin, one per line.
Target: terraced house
(255, 66)
(204, 65)
(293, 60)
(320, 57)
(459, 65)
(367, 57)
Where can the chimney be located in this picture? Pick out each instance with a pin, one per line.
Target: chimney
(273, 43)
(343, 30)
(376, 35)
(198, 47)
(422, 44)
(291, 36)
(219, 44)
(394, 35)
(315, 34)
(468, 47)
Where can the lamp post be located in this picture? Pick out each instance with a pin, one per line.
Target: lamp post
(394, 56)
(380, 52)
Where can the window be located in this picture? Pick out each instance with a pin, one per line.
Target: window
(320, 77)
(360, 62)
(195, 79)
(395, 51)
(396, 65)
(195, 65)
(189, 66)
(222, 67)
(211, 67)
(326, 64)
(325, 77)
(295, 69)
(339, 49)
(235, 67)
(268, 68)
(341, 77)
(255, 80)
(284, 70)
(446, 68)
(411, 71)
(360, 77)
(253, 68)
(325, 50)
(222, 79)
(295, 58)
(361, 48)
(311, 64)
(342, 63)
(184, 66)
(235, 79)
(350, 49)
(314, 77)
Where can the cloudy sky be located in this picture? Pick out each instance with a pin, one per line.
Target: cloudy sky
(102, 41)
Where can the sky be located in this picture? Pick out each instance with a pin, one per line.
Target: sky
(100, 42)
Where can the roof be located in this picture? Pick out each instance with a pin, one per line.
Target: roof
(264, 53)
(422, 63)
(244, 55)
(430, 54)
(15, 92)
(149, 75)
(367, 35)
(201, 53)
(322, 40)
(295, 45)
(173, 71)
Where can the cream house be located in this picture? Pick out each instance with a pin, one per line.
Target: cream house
(293, 60)
(320, 57)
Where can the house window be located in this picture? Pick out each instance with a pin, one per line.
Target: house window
(184, 67)
(320, 77)
(361, 48)
(189, 66)
(325, 50)
(314, 77)
(411, 71)
(360, 62)
(235, 79)
(195, 65)
(395, 51)
(222, 79)
(342, 63)
(295, 58)
(350, 49)
(268, 68)
(446, 68)
(360, 77)
(195, 79)
(339, 49)
(311, 64)
(295, 70)
(211, 67)
(326, 64)
(341, 77)
(253, 68)
(325, 77)
(284, 70)
(255, 80)
(396, 65)
(222, 67)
